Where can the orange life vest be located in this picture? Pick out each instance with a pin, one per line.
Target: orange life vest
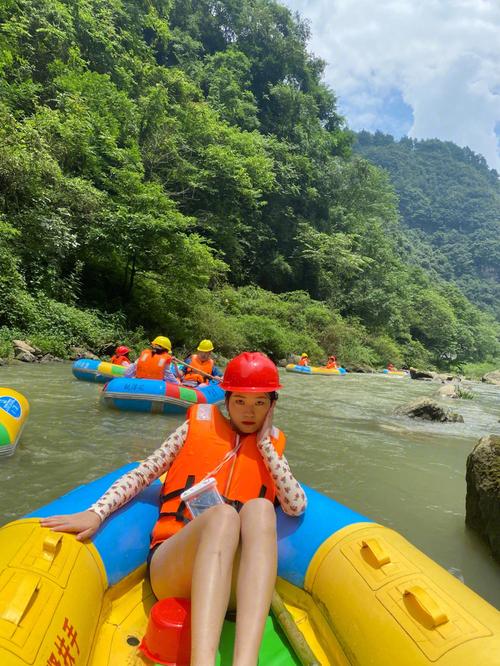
(152, 366)
(303, 361)
(331, 364)
(120, 360)
(205, 366)
(210, 437)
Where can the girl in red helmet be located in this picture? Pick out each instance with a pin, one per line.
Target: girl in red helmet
(225, 556)
(120, 356)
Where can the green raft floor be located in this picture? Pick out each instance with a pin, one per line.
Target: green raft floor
(275, 650)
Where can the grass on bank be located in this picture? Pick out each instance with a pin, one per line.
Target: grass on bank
(478, 370)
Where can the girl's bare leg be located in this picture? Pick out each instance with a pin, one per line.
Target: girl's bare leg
(197, 563)
(256, 578)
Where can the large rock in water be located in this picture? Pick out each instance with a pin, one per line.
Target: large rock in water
(359, 367)
(421, 374)
(482, 503)
(447, 378)
(492, 377)
(428, 409)
(448, 391)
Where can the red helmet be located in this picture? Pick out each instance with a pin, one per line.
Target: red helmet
(122, 350)
(251, 372)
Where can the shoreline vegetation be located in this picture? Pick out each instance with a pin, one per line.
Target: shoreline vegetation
(181, 169)
(99, 341)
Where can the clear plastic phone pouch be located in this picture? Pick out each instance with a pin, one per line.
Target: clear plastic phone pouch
(202, 496)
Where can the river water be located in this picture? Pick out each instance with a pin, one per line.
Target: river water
(343, 440)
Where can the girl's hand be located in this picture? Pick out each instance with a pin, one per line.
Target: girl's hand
(265, 431)
(83, 524)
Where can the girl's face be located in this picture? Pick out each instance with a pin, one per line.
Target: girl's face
(248, 411)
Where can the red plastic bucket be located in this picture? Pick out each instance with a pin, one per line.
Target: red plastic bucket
(168, 636)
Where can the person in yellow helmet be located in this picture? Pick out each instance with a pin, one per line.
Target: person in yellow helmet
(304, 360)
(202, 364)
(155, 363)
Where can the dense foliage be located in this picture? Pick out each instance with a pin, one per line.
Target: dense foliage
(449, 199)
(159, 158)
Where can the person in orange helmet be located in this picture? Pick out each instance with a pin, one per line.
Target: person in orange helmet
(120, 357)
(197, 551)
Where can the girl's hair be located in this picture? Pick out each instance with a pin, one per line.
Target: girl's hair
(273, 395)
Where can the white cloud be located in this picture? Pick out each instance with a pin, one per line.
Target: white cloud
(443, 56)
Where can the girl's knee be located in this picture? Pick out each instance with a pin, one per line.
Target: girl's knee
(259, 512)
(259, 506)
(222, 517)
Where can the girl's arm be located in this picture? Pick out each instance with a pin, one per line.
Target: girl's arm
(291, 497)
(86, 523)
(130, 371)
(129, 485)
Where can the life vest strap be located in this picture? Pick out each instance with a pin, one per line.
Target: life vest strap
(177, 493)
(238, 505)
(175, 514)
(172, 495)
(179, 514)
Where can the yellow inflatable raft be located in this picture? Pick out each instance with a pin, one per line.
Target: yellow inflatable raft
(395, 373)
(314, 370)
(14, 410)
(359, 593)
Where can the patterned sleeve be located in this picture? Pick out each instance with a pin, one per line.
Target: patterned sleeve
(291, 497)
(129, 485)
(130, 371)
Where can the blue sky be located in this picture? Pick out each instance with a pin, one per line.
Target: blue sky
(425, 68)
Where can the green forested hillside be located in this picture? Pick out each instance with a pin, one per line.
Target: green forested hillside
(179, 167)
(450, 200)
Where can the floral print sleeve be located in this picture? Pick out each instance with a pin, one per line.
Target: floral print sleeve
(291, 497)
(129, 485)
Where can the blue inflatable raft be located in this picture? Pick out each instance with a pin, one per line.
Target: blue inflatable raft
(153, 395)
(94, 370)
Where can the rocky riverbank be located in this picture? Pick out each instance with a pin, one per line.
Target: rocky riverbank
(24, 352)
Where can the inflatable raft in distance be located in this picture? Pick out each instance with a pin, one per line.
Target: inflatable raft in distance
(156, 396)
(395, 373)
(14, 410)
(90, 370)
(315, 370)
